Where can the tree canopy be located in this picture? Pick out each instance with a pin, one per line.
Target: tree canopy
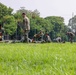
(4, 10)
(54, 25)
(72, 24)
(9, 24)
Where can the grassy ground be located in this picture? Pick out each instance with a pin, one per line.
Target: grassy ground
(38, 59)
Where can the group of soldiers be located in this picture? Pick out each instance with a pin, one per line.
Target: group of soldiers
(41, 37)
(46, 38)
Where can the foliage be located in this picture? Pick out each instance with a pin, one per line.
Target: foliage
(18, 17)
(36, 22)
(58, 24)
(72, 23)
(9, 24)
(54, 25)
(4, 10)
(40, 24)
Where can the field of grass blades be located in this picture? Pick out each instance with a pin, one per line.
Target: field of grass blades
(37, 59)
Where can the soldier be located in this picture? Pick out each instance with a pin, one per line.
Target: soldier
(40, 34)
(70, 36)
(58, 39)
(1, 33)
(26, 27)
(47, 38)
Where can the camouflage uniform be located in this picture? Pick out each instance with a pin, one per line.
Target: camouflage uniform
(70, 36)
(26, 28)
(1, 33)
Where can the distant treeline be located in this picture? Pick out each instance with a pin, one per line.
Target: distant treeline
(53, 25)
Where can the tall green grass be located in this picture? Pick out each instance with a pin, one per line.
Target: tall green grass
(38, 59)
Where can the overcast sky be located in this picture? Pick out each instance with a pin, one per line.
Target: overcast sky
(63, 8)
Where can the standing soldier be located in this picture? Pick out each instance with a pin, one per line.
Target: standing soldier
(26, 27)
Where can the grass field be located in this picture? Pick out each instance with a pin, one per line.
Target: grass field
(38, 59)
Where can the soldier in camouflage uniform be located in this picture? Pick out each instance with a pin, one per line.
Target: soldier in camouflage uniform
(26, 27)
(70, 36)
(1, 32)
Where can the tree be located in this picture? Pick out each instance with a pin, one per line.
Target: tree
(58, 25)
(41, 24)
(9, 24)
(72, 24)
(35, 13)
(4, 10)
